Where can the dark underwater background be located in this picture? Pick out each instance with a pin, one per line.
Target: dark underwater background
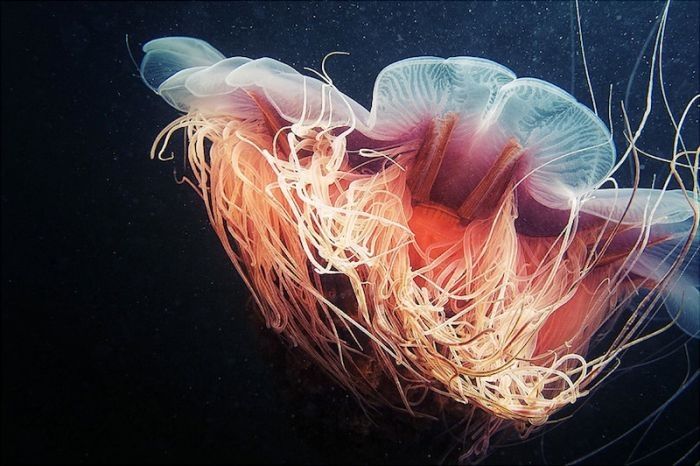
(127, 335)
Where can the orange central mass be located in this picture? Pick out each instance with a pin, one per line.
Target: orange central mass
(436, 229)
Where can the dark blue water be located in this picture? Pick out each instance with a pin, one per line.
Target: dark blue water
(126, 334)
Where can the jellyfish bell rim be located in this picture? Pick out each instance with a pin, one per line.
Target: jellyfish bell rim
(168, 55)
(182, 83)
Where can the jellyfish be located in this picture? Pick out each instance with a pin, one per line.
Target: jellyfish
(454, 249)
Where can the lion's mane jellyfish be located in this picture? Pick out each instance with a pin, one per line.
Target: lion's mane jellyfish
(454, 249)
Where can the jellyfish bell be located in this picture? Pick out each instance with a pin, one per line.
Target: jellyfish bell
(454, 248)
